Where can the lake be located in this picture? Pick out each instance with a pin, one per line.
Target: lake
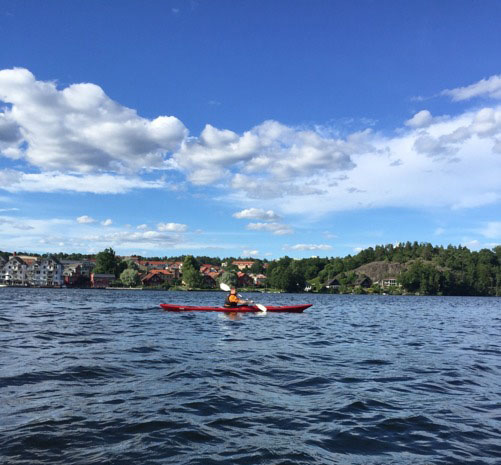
(107, 377)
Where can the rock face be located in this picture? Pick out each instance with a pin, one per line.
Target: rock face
(378, 271)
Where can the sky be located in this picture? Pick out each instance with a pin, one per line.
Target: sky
(256, 128)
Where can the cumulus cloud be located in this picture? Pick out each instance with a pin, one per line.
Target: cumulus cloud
(310, 247)
(83, 141)
(172, 227)
(275, 228)
(276, 152)
(490, 87)
(256, 214)
(79, 128)
(85, 219)
(420, 119)
(107, 222)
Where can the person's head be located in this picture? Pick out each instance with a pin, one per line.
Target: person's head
(233, 291)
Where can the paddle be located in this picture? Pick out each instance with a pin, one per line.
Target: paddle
(227, 288)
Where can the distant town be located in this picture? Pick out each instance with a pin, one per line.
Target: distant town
(50, 271)
(406, 268)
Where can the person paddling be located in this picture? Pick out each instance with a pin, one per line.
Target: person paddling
(232, 300)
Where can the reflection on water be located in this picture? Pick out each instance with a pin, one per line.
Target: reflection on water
(107, 377)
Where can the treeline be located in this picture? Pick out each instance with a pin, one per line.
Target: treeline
(426, 269)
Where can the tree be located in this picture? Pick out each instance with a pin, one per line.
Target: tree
(131, 265)
(129, 277)
(229, 277)
(106, 262)
(191, 272)
(257, 267)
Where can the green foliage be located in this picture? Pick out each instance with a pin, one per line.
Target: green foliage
(257, 267)
(131, 264)
(431, 270)
(229, 277)
(130, 277)
(191, 273)
(286, 274)
(107, 262)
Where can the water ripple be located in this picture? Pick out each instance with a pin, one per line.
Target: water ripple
(107, 377)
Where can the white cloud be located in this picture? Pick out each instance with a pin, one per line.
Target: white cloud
(85, 219)
(250, 253)
(84, 236)
(107, 222)
(142, 226)
(490, 87)
(256, 214)
(491, 230)
(20, 225)
(451, 163)
(276, 152)
(79, 128)
(83, 141)
(126, 238)
(275, 228)
(420, 119)
(173, 227)
(310, 247)
(472, 244)
(18, 181)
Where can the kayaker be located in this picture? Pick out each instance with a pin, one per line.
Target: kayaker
(232, 299)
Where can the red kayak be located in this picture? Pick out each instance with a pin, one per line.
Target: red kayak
(241, 308)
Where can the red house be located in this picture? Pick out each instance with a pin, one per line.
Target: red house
(101, 280)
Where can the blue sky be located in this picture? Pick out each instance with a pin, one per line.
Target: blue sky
(259, 128)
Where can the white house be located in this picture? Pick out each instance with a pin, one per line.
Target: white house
(45, 271)
(14, 272)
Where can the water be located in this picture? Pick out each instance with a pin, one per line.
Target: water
(107, 377)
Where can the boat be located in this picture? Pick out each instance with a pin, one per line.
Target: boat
(239, 309)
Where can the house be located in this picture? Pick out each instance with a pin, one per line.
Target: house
(244, 280)
(207, 269)
(259, 279)
(176, 268)
(86, 267)
(101, 280)
(363, 281)
(333, 284)
(209, 281)
(389, 282)
(243, 264)
(157, 277)
(153, 264)
(14, 272)
(72, 274)
(44, 271)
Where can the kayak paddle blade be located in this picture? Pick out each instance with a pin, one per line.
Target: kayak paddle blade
(261, 307)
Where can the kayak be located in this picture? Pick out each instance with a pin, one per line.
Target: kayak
(240, 308)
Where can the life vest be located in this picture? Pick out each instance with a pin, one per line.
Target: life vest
(231, 303)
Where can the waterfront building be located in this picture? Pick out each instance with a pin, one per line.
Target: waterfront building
(101, 280)
(44, 271)
(13, 272)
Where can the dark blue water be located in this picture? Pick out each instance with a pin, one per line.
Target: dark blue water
(107, 377)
